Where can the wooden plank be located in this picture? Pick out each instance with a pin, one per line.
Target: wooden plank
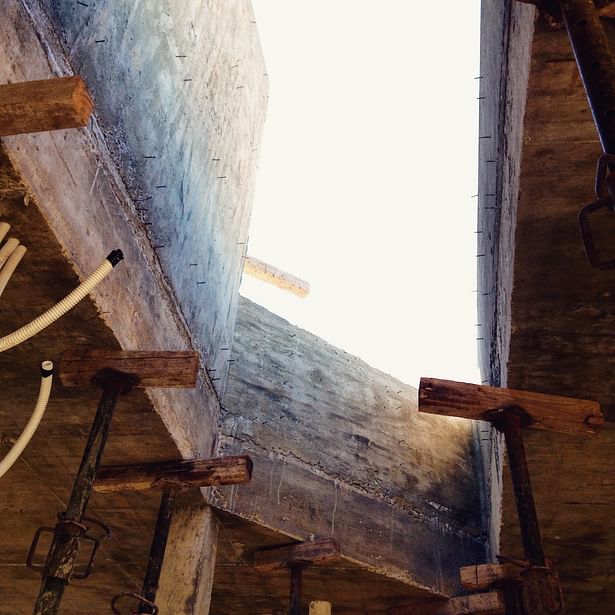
(483, 576)
(153, 368)
(49, 104)
(318, 607)
(272, 275)
(473, 401)
(489, 603)
(310, 552)
(185, 473)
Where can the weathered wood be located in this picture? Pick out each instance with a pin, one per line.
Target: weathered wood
(318, 607)
(313, 552)
(272, 275)
(49, 104)
(473, 401)
(234, 470)
(476, 578)
(490, 603)
(153, 368)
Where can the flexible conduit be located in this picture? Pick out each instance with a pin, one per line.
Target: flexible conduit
(9, 268)
(35, 419)
(4, 229)
(7, 249)
(58, 310)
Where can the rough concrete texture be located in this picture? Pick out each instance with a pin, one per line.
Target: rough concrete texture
(101, 187)
(340, 450)
(506, 42)
(180, 93)
(186, 150)
(563, 318)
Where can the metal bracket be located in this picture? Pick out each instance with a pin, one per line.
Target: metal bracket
(86, 536)
(141, 600)
(605, 191)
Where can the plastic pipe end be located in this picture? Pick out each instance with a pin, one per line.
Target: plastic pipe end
(115, 257)
(46, 369)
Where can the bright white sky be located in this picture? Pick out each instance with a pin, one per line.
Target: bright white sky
(368, 165)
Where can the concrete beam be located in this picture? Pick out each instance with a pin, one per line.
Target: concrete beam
(173, 147)
(340, 451)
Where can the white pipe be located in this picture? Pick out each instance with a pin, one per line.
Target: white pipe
(35, 419)
(4, 229)
(7, 249)
(59, 309)
(9, 268)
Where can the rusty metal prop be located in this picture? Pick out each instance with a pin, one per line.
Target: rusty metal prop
(596, 65)
(147, 598)
(540, 592)
(71, 530)
(137, 598)
(296, 578)
(597, 69)
(605, 191)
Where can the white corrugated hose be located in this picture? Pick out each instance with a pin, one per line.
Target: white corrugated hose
(59, 309)
(35, 419)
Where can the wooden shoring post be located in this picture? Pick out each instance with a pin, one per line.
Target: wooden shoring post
(171, 477)
(509, 411)
(48, 104)
(319, 607)
(72, 527)
(296, 558)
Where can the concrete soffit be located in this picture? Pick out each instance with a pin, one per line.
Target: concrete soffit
(75, 183)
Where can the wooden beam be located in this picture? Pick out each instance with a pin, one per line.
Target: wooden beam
(310, 552)
(185, 473)
(490, 603)
(272, 275)
(49, 104)
(152, 368)
(477, 578)
(318, 607)
(473, 401)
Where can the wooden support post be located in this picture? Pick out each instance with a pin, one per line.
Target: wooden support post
(104, 370)
(171, 476)
(318, 607)
(509, 411)
(489, 603)
(484, 576)
(176, 369)
(272, 275)
(183, 473)
(296, 558)
(49, 104)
